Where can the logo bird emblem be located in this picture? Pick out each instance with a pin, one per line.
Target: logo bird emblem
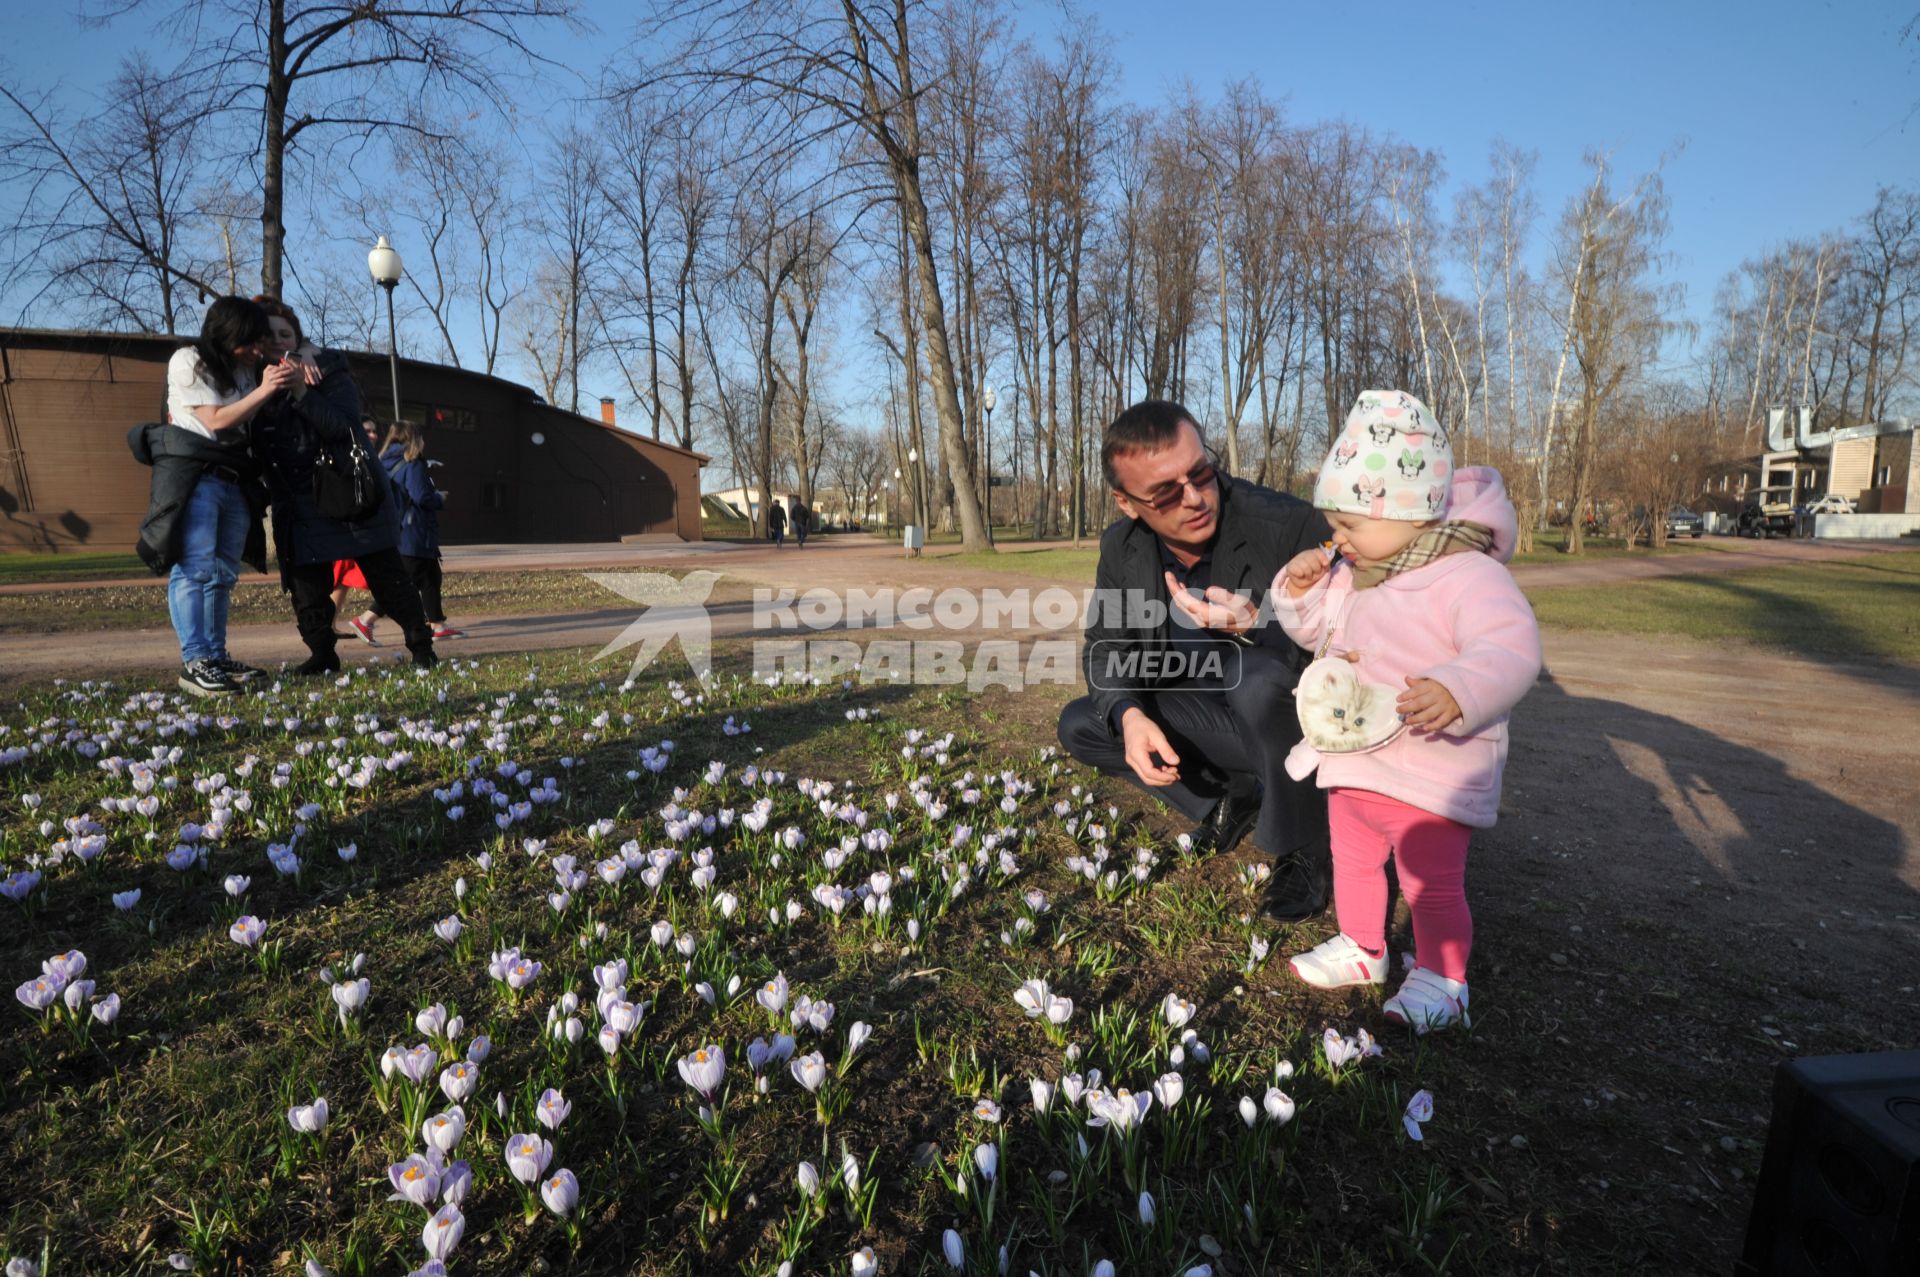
(675, 608)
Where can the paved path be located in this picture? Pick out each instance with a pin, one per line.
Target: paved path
(838, 564)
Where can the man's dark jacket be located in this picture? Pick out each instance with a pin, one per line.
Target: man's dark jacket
(179, 458)
(1259, 530)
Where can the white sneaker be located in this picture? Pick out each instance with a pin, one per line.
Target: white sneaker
(1338, 963)
(1428, 1000)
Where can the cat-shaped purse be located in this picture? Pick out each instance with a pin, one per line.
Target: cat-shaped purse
(1338, 713)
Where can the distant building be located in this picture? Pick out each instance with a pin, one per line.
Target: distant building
(1876, 473)
(515, 469)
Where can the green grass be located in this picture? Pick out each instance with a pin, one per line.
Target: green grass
(1047, 562)
(89, 565)
(1550, 547)
(1868, 608)
(168, 1132)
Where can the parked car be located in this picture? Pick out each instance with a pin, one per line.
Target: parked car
(1685, 523)
(1831, 504)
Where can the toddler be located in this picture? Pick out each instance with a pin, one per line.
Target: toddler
(1414, 593)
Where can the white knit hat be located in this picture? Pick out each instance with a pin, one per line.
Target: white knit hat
(1392, 461)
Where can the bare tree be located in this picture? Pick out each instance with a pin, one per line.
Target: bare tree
(339, 71)
(107, 205)
(849, 69)
(559, 332)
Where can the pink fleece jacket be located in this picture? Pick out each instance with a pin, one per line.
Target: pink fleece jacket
(1460, 621)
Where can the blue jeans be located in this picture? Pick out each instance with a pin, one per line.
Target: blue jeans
(213, 535)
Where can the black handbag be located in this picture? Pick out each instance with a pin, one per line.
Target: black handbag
(348, 490)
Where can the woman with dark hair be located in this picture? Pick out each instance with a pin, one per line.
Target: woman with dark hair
(206, 503)
(404, 455)
(319, 416)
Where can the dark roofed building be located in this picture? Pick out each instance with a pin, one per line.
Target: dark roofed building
(514, 468)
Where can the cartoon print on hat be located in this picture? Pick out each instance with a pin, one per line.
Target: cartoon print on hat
(1404, 460)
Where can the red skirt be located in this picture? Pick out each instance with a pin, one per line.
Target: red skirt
(347, 573)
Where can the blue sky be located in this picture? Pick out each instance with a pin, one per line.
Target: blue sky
(1789, 115)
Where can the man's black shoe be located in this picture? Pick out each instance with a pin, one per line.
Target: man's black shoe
(1300, 886)
(1227, 823)
(318, 664)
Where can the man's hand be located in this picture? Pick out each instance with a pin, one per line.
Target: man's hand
(1427, 706)
(1303, 570)
(1144, 739)
(1220, 609)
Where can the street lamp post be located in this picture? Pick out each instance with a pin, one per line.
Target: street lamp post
(384, 264)
(986, 442)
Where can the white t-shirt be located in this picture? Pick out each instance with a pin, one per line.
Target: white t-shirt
(190, 386)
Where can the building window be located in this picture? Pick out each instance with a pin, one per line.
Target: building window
(493, 496)
(1883, 476)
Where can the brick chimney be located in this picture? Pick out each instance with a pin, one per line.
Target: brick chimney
(606, 410)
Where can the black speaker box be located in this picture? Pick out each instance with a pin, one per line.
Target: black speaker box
(1839, 1190)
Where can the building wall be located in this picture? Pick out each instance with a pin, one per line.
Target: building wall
(1851, 470)
(68, 482)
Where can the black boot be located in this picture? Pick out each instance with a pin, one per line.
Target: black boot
(1301, 885)
(315, 623)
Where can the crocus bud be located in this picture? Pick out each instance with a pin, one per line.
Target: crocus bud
(955, 1248)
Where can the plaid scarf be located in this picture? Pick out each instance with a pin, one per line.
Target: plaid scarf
(1460, 537)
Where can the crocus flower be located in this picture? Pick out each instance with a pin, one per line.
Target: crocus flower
(443, 1232)
(527, 1157)
(1419, 1109)
(703, 1069)
(236, 885)
(309, 1119)
(1042, 1094)
(1177, 1010)
(415, 1180)
(809, 1179)
(1249, 1111)
(20, 1265)
(350, 996)
(857, 1034)
(458, 1080)
(561, 1192)
(442, 1131)
(552, 1109)
(863, 1262)
(247, 931)
(415, 1063)
(454, 1183)
(1146, 1208)
(40, 993)
(76, 995)
(955, 1249)
(1032, 995)
(773, 995)
(107, 1009)
(986, 1110)
(449, 928)
(126, 900)
(1280, 1106)
(431, 1021)
(810, 1070)
(987, 1158)
(1168, 1089)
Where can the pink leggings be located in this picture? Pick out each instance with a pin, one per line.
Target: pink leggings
(1431, 852)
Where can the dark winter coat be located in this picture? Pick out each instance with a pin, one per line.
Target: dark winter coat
(419, 503)
(1260, 530)
(287, 435)
(179, 458)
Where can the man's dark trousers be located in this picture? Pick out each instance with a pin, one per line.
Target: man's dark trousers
(393, 593)
(1244, 731)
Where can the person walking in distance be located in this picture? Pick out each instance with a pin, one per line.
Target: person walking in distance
(777, 523)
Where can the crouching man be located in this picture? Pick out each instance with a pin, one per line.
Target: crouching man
(1190, 683)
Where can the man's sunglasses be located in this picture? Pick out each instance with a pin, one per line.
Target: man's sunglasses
(1167, 495)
